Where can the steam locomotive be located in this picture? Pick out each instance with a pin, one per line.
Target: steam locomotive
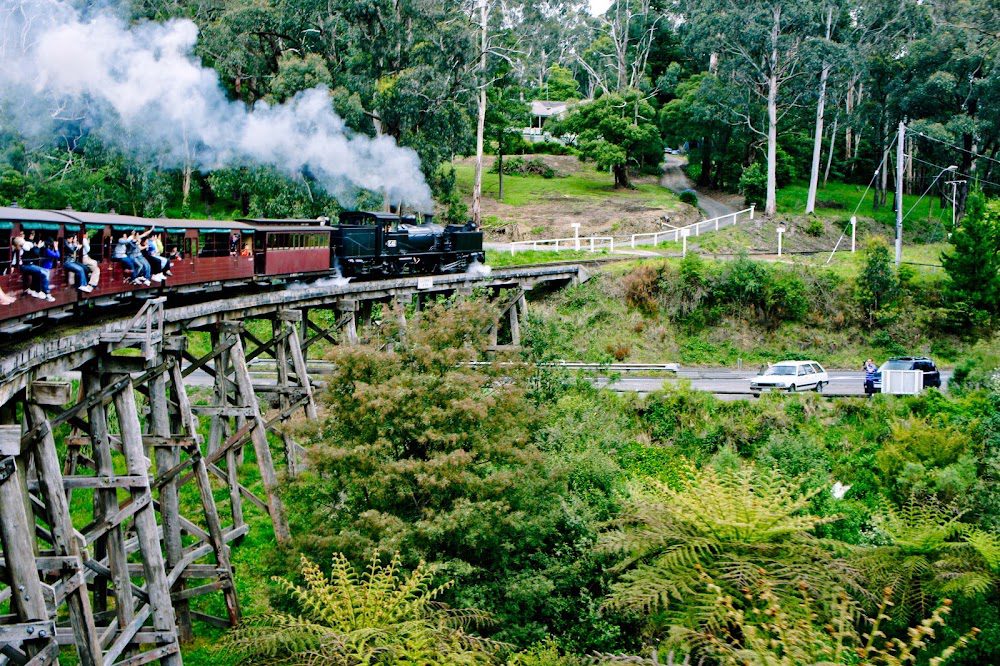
(204, 256)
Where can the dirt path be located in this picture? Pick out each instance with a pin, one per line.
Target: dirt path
(675, 179)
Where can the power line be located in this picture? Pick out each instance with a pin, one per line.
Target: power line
(938, 166)
(951, 145)
(936, 178)
(875, 175)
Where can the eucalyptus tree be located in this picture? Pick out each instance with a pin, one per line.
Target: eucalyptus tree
(759, 46)
(624, 38)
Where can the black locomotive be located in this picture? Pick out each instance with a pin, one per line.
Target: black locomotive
(386, 244)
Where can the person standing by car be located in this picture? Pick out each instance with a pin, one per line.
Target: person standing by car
(870, 371)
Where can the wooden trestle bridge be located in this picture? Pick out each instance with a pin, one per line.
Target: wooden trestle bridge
(118, 584)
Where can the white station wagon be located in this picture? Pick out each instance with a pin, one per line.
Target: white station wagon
(790, 376)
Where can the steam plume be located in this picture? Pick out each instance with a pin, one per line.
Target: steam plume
(141, 88)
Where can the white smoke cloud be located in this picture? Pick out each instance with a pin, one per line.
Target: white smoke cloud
(141, 87)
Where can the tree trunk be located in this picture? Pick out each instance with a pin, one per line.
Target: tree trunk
(849, 108)
(818, 134)
(833, 145)
(477, 188)
(771, 203)
(186, 187)
(621, 176)
(500, 166)
(705, 177)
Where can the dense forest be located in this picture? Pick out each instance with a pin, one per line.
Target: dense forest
(453, 512)
(763, 93)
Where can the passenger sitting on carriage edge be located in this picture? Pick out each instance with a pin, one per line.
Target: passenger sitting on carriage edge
(73, 265)
(151, 252)
(90, 264)
(135, 251)
(48, 255)
(121, 255)
(27, 257)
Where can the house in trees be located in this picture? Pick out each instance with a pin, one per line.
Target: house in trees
(541, 112)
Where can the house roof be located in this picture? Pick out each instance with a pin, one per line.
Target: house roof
(546, 109)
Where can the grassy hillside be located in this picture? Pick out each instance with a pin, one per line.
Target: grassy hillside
(537, 207)
(600, 321)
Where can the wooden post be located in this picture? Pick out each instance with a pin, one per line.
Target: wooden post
(258, 435)
(400, 308)
(304, 331)
(146, 529)
(166, 458)
(219, 426)
(299, 361)
(515, 325)
(27, 601)
(189, 426)
(112, 543)
(348, 309)
(281, 364)
(64, 541)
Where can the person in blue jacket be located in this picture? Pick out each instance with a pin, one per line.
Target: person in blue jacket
(871, 372)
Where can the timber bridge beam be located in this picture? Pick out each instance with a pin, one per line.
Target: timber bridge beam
(112, 538)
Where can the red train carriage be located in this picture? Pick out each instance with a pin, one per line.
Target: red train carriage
(207, 254)
(290, 249)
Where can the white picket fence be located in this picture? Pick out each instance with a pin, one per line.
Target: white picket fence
(588, 243)
(695, 229)
(595, 243)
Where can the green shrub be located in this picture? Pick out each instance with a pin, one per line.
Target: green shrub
(360, 618)
(815, 227)
(689, 197)
(753, 184)
(519, 166)
(550, 148)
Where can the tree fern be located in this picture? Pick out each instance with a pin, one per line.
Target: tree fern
(763, 629)
(927, 554)
(737, 528)
(381, 617)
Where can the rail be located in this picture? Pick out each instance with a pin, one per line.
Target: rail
(695, 229)
(588, 243)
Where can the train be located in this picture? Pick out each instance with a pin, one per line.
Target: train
(44, 275)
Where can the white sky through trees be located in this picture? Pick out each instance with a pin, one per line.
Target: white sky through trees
(599, 6)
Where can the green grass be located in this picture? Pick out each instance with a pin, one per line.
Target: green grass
(921, 213)
(500, 258)
(587, 183)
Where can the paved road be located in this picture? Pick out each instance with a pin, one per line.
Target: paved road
(727, 384)
(675, 179)
(733, 384)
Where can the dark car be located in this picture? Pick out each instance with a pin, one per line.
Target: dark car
(932, 378)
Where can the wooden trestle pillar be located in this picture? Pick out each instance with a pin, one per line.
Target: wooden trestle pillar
(237, 398)
(513, 309)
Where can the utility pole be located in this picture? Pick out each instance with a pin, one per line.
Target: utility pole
(900, 158)
(954, 199)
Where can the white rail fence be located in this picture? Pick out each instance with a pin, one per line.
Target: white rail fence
(588, 243)
(695, 229)
(595, 243)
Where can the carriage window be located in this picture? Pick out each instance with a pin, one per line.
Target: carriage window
(190, 247)
(213, 243)
(5, 250)
(175, 240)
(96, 238)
